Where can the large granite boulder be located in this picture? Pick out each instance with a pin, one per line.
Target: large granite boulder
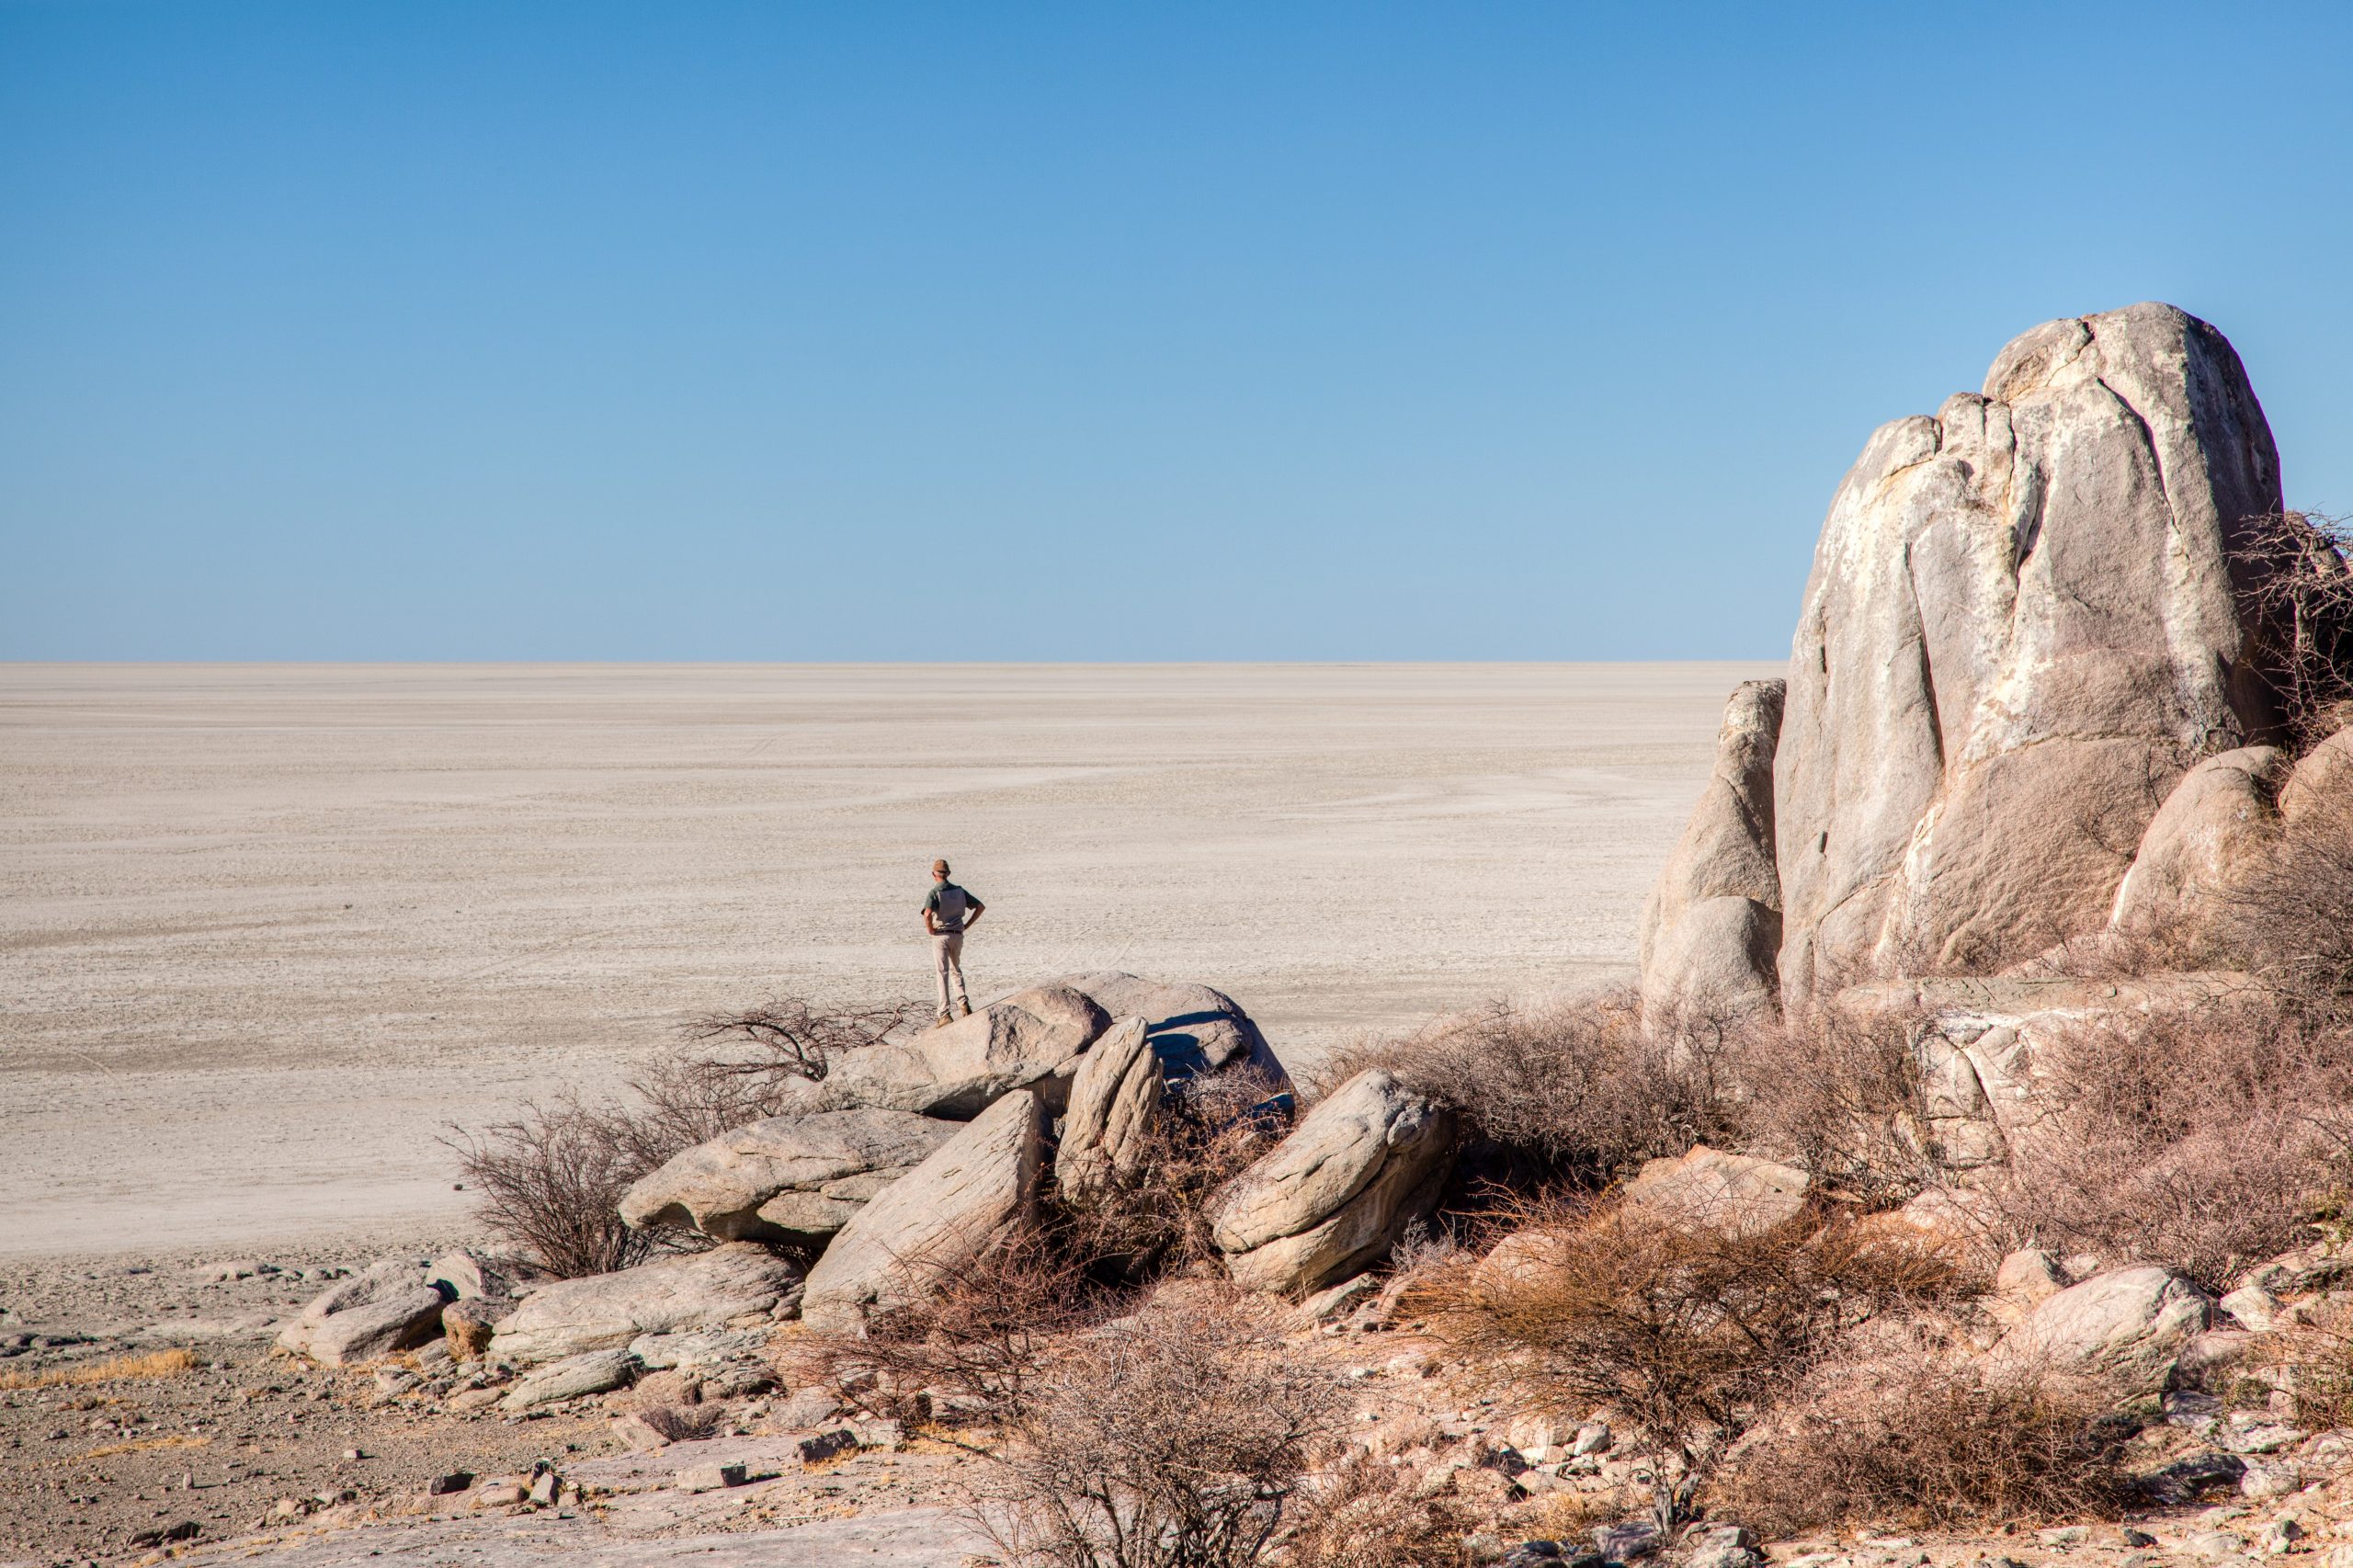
(380, 1310)
(1192, 1029)
(2129, 1325)
(736, 1285)
(971, 1193)
(789, 1178)
(1334, 1195)
(1114, 1102)
(2322, 777)
(1738, 1195)
(2215, 828)
(2020, 627)
(1031, 1039)
(1711, 932)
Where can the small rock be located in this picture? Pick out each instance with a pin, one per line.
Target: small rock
(710, 1477)
(2063, 1536)
(888, 1434)
(505, 1494)
(1593, 1438)
(443, 1486)
(353, 1456)
(2214, 1544)
(2131, 1537)
(164, 1535)
(2280, 1536)
(1625, 1542)
(395, 1381)
(826, 1445)
(2195, 1477)
(545, 1487)
(2263, 1480)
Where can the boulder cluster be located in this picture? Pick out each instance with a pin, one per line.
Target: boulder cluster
(911, 1159)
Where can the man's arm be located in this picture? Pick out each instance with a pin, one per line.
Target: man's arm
(930, 921)
(979, 909)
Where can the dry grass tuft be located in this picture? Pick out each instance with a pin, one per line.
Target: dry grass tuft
(153, 1364)
(1365, 1514)
(143, 1446)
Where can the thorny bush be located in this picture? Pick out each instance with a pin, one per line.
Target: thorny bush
(1938, 1447)
(549, 1181)
(1689, 1332)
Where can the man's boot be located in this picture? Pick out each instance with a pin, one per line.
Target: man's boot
(943, 1018)
(964, 1009)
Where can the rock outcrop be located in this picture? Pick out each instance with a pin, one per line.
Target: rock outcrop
(1114, 1101)
(966, 1197)
(791, 1178)
(1336, 1193)
(2021, 618)
(1710, 933)
(1031, 1040)
(735, 1285)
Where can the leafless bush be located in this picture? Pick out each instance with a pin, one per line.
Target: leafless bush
(1177, 1437)
(2291, 921)
(2199, 1139)
(969, 1350)
(1937, 1448)
(1153, 1214)
(1837, 1089)
(1575, 1091)
(1367, 1514)
(1689, 1333)
(791, 1037)
(550, 1182)
(2291, 571)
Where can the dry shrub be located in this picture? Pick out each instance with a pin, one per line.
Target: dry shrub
(1152, 1215)
(1573, 1090)
(550, 1180)
(1837, 1089)
(1688, 1332)
(2198, 1139)
(1176, 1438)
(1936, 1448)
(2291, 567)
(146, 1366)
(2291, 920)
(969, 1349)
(549, 1183)
(1366, 1515)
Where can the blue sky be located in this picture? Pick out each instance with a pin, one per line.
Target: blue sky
(1360, 331)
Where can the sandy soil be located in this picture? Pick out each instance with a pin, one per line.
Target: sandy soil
(264, 930)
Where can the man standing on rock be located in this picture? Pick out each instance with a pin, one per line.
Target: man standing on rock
(948, 912)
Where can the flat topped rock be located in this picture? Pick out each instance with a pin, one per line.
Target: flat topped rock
(735, 1285)
(1031, 1039)
(1192, 1029)
(787, 1178)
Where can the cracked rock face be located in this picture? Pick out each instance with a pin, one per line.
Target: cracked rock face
(2020, 630)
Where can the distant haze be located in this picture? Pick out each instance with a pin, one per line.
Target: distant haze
(697, 331)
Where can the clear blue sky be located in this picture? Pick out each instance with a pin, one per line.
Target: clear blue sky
(1086, 331)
